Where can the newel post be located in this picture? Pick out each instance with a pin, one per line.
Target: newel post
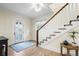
(37, 38)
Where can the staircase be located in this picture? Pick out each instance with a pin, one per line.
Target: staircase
(60, 31)
(62, 22)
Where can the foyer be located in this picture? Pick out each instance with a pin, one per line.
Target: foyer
(28, 29)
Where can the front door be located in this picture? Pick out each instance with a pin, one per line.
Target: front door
(18, 32)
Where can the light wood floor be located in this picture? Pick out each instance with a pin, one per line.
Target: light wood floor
(32, 51)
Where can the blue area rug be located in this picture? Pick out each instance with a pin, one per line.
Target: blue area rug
(21, 46)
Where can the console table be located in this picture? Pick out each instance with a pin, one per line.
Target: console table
(3, 46)
(69, 47)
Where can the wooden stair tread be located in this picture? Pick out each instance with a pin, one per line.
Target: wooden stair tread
(61, 28)
(52, 35)
(68, 25)
(44, 39)
(48, 37)
(41, 41)
(57, 32)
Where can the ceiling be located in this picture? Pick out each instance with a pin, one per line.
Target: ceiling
(27, 10)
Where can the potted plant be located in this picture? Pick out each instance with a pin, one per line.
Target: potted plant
(73, 36)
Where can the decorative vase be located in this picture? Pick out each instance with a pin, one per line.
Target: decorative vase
(65, 42)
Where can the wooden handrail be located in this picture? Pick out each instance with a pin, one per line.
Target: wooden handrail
(37, 33)
(53, 16)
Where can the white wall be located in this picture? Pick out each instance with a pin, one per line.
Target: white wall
(33, 30)
(7, 22)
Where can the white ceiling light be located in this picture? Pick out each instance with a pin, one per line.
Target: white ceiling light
(37, 6)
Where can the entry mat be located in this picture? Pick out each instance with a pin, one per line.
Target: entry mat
(22, 45)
